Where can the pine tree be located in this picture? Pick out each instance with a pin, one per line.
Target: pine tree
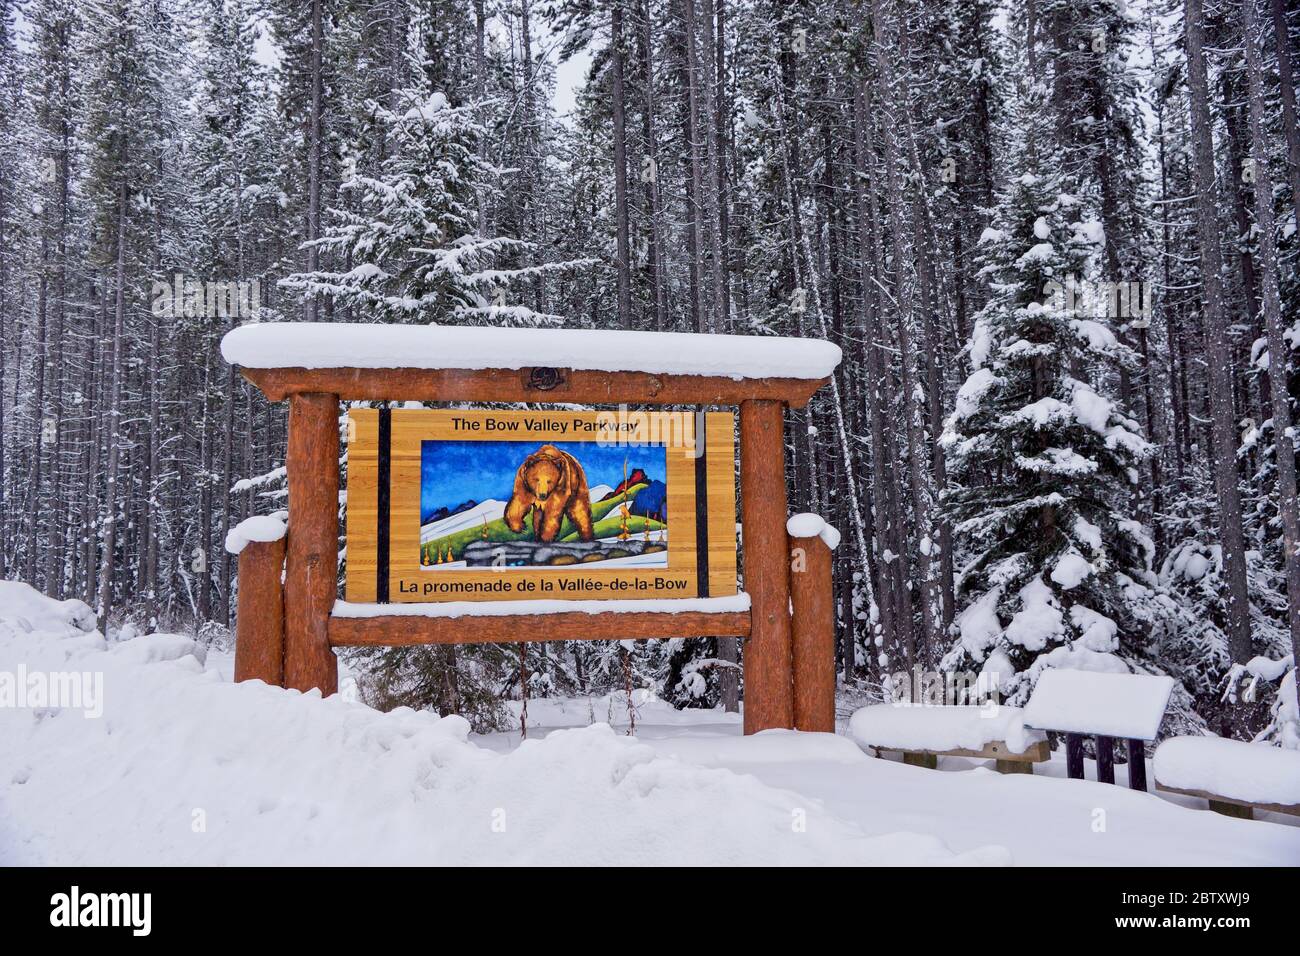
(412, 244)
(1047, 462)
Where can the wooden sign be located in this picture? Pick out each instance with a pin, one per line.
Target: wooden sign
(480, 505)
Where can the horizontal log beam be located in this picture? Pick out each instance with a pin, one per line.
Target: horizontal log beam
(403, 630)
(578, 387)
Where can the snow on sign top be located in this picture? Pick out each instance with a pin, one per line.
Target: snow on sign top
(368, 345)
(1095, 702)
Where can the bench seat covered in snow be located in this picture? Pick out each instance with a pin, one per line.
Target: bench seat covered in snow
(1236, 777)
(925, 733)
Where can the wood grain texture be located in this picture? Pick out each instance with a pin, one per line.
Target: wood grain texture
(362, 524)
(720, 449)
(512, 385)
(259, 621)
(311, 562)
(404, 630)
(769, 690)
(812, 635)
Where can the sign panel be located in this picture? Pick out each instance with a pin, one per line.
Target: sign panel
(480, 505)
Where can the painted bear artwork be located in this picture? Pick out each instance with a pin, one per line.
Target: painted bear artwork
(525, 504)
(552, 486)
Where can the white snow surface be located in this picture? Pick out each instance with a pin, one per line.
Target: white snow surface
(1096, 702)
(1071, 569)
(27, 608)
(1257, 773)
(255, 528)
(370, 345)
(730, 603)
(919, 727)
(810, 525)
(279, 777)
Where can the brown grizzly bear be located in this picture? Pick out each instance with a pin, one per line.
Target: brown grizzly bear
(553, 482)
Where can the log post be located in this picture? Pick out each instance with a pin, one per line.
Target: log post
(1105, 759)
(813, 628)
(1240, 811)
(311, 565)
(1074, 756)
(1137, 765)
(769, 691)
(259, 621)
(1013, 766)
(920, 759)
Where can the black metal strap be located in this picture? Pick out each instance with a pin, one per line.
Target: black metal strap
(383, 494)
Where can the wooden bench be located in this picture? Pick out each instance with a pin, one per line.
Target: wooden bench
(1005, 760)
(923, 734)
(1105, 706)
(1237, 778)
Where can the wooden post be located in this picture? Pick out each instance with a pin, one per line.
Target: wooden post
(769, 690)
(1074, 756)
(813, 630)
(311, 566)
(918, 759)
(1137, 765)
(1013, 766)
(259, 624)
(1238, 810)
(1105, 759)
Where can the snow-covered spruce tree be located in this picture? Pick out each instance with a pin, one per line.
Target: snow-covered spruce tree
(1045, 461)
(409, 248)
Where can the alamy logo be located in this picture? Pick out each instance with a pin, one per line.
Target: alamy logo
(1112, 300)
(197, 299)
(103, 909)
(65, 690)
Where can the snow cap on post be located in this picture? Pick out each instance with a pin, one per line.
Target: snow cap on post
(809, 525)
(256, 528)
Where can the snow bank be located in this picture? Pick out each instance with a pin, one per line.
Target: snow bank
(894, 727)
(1095, 702)
(29, 609)
(186, 768)
(256, 528)
(155, 648)
(1256, 773)
(729, 604)
(358, 345)
(809, 525)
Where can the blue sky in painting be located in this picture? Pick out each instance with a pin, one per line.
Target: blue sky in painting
(453, 472)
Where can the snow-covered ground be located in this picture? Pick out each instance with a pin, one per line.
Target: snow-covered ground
(184, 767)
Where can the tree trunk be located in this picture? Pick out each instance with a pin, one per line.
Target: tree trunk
(314, 149)
(1218, 359)
(1283, 434)
(620, 168)
(114, 436)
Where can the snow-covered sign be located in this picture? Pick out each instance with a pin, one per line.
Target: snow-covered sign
(371, 346)
(516, 507)
(1128, 706)
(512, 506)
